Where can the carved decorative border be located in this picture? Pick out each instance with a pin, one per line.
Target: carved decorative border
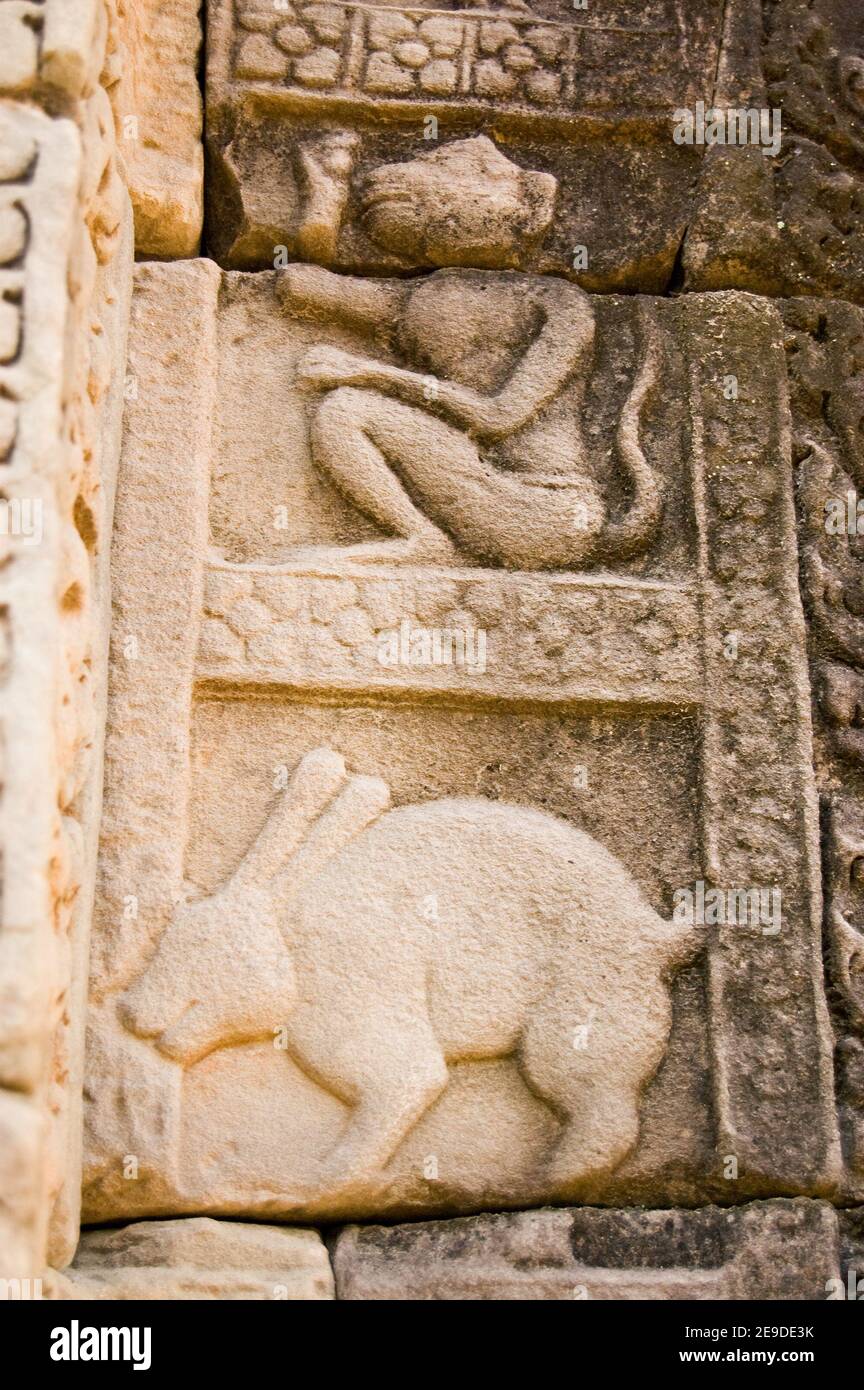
(348, 53)
(825, 348)
(62, 329)
(614, 640)
(772, 1072)
(771, 1041)
(40, 199)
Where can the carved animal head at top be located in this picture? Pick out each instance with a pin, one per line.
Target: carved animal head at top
(464, 205)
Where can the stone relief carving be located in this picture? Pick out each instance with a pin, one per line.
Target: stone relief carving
(477, 445)
(432, 518)
(392, 81)
(793, 224)
(790, 224)
(845, 936)
(148, 51)
(825, 345)
(826, 348)
(813, 65)
(65, 262)
(259, 649)
(505, 55)
(844, 858)
(636, 640)
(316, 934)
(323, 169)
(464, 204)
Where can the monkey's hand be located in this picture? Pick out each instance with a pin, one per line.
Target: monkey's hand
(323, 368)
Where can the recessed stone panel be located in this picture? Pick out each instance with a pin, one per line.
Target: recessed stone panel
(446, 787)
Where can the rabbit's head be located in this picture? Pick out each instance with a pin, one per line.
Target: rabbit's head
(222, 974)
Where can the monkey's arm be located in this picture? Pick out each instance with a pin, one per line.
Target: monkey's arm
(311, 292)
(563, 341)
(561, 345)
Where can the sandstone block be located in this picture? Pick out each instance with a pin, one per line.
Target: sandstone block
(558, 638)
(786, 1250)
(200, 1259)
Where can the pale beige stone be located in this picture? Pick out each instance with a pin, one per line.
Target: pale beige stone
(64, 276)
(158, 111)
(19, 45)
(172, 359)
(471, 983)
(23, 1208)
(551, 514)
(457, 634)
(102, 389)
(73, 36)
(53, 45)
(365, 993)
(200, 1259)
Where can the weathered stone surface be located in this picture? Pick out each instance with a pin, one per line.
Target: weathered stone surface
(49, 46)
(786, 1250)
(153, 84)
(244, 976)
(301, 115)
(66, 254)
(23, 1205)
(147, 51)
(851, 1285)
(469, 755)
(61, 412)
(824, 348)
(791, 224)
(198, 1259)
(296, 136)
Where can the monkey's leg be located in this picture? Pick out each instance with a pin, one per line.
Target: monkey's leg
(359, 438)
(423, 478)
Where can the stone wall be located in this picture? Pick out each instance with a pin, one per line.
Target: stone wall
(463, 829)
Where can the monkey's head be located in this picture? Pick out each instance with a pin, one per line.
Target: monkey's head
(464, 205)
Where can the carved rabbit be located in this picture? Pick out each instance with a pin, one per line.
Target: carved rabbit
(387, 943)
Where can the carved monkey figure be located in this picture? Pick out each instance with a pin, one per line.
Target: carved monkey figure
(476, 444)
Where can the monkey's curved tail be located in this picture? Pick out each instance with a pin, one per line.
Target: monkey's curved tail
(847, 957)
(631, 534)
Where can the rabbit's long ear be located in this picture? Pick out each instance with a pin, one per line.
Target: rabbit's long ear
(360, 803)
(318, 777)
